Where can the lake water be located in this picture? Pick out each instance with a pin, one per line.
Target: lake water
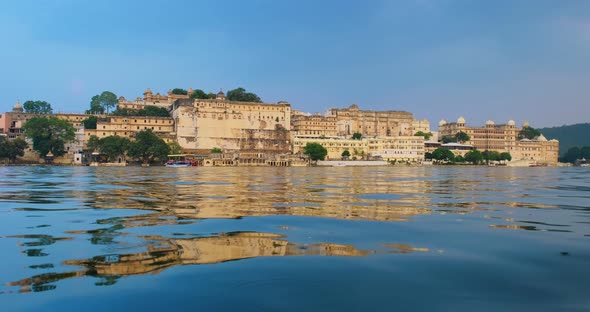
(294, 239)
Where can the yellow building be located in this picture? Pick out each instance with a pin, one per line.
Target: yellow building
(316, 124)
(149, 98)
(504, 138)
(127, 126)
(232, 126)
(400, 148)
(376, 123)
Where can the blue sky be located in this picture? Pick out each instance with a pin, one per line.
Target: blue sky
(500, 60)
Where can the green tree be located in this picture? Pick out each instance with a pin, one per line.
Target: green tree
(474, 156)
(585, 152)
(148, 147)
(357, 136)
(448, 139)
(572, 155)
(505, 156)
(428, 155)
(155, 111)
(459, 159)
(216, 150)
(108, 100)
(113, 146)
(422, 134)
(199, 94)
(95, 106)
(11, 149)
(528, 133)
(443, 154)
(93, 144)
(490, 156)
(175, 148)
(179, 91)
(49, 134)
(462, 137)
(125, 112)
(315, 151)
(37, 107)
(241, 95)
(345, 154)
(90, 122)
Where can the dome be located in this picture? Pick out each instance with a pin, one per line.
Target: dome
(17, 107)
(442, 123)
(511, 122)
(461, 120)
(542, 138)
(490, 123)
(122, 98)
(525, 124)
(220, 95)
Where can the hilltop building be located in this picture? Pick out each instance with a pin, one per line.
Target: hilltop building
(203, 124)
(313, 124)
(376, 123)
(128, 126)
(504, 138)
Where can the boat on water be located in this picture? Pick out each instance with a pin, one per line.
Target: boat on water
(181, 160)
(178, 164)
(536, 164)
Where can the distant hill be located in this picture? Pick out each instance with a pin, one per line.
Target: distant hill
(569, 136)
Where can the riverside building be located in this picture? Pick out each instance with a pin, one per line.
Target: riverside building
(504, 138)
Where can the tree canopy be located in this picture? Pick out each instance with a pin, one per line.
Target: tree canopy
(241, 95)
(95, 106)
(528, 133)
(11, 149)
(462, 137)
(474, 156)
(490, 155)
(175, 148)
(90, 122)
(315, 151)
(179, 91)
(37, 107)
(423, 134)
(108, 100)
(93, 144)
(576, 153)
(357, 136)
(113, 146)
(346, 153)
(448, 139)
(200, 94)
(443, 154)
(216, 150)
(49, 134)
(148, 147)
(505, 156)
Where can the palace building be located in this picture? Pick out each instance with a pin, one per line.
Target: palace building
(313, 124)
(399, 148)
(376, 123)
(504, 138)
(128, 126)
(203, 124)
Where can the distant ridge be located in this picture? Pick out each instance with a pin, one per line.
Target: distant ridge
(569, 135)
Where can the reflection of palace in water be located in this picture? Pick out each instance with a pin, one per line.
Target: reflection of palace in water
(164, 253)
(203, 193)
